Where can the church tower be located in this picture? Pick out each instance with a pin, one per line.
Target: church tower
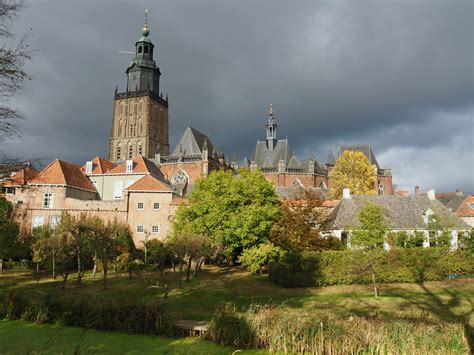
(271, 129)
(140, 114)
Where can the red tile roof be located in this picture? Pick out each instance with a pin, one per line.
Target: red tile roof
(150, 183)
(140, 165)
(63, 173)
(22, 177)
(99, 166)
(465, 209)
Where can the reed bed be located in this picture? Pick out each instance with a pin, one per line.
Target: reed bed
(280, 329)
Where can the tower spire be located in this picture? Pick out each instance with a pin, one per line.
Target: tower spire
(145, 29)
(271, 129)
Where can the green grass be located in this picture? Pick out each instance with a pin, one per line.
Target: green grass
(448, 301)
(19, 337)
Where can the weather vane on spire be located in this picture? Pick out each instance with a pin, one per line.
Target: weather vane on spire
(270, 110)
(145, 29)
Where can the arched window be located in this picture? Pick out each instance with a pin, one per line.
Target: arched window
(119, 151)
(130, 152)
(122, 108)
(145, 49)
(296, 184)
(140, 150)
(179, 182)
(131, 130)
(381, 188)
(140, 107)
(139, 49)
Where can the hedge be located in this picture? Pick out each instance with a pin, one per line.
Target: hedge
(346, 267)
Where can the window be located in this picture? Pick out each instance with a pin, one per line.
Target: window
(155, 229)
(145, 49)
(9, 190)
(140, 107)
(140, 229)
(122, 108)
(156, 206)
(130, 153)
(48, 200)
(89, 167)
(129, 165)
(140, 150)
(119, 151)
(54, 221)
(118, 189)
(131, 131)
(139, 49)
(37, 221)
(140, 206)
(471, 205)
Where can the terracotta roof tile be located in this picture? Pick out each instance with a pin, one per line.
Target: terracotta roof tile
(140, 165)
(99, 166)
(22, 177)
(150, 183)
(63, 173)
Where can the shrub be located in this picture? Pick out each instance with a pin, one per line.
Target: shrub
(121, 315)
(343, 267)
(256, 257)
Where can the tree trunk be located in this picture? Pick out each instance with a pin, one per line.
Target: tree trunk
(173, 265)
(104, 270)
(37, 273)
(188, 269)
(197, 267)
(1, 266)
(180, 272)
(94, 269)
(64, 280)
(376, 293)
(78, 268)
(54, 266)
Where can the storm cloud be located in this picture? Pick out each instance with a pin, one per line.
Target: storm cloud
(397, 75)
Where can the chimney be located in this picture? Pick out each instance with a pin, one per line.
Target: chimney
(417, 190)
(157, 158)
(431, 194)
(459, 192)
(346, 194)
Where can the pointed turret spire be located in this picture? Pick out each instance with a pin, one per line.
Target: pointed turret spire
(271, 129)
(330, 160)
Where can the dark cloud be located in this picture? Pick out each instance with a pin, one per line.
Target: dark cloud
(397, 75)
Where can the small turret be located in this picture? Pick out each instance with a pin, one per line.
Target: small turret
(271, 129)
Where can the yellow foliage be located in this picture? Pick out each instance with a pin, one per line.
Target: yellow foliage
(353, 171)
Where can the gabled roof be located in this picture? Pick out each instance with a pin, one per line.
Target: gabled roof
(330, 160)
(99, 166)
(192, 142)
(22, 177)
(150, 183)
(63, 173)
(402, 212)
(294, 163)
(363, 148)
(265, 157)
(141, 165)
(245, 163)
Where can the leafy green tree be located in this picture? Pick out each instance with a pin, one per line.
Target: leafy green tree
(237, 212)
(466, 241)
(158, 254)
(405, 240)
(369, 237)
(440, 235)
(353, 171)
(9, 231)
(63, 253)
(40, 246)
(255, 258)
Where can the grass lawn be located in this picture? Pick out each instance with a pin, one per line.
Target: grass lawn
(450, 301)
(19, 337)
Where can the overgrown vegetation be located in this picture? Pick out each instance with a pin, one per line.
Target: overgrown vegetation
(281, 330)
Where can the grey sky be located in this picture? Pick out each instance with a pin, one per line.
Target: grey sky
(398, 75)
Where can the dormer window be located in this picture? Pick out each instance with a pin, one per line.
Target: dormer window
(89, 167)
(129, 166)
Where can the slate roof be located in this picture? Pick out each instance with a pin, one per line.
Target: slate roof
(99, 166)
(150, 183)
(456, 202)
(330, 160)
(22, 177)
(402, 212)
(363, 148)
(266, 158)
(192, 142)
(294, 163)
(63, 173)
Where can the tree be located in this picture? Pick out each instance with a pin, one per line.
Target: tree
(353, 171)
(64, 254)
(12, 73)
(440, 235)
(258, 256)
(9, 231)
(299, 227)
(158, 254)
(237, 212)
(78, 236)
(39, 246)
(369, 237)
